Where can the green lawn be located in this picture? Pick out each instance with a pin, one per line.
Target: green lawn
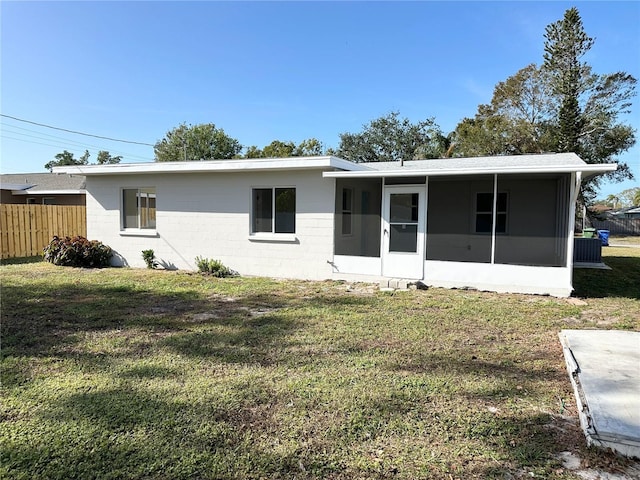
(122, 373)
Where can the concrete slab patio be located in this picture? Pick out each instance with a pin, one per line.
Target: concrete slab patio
(604, 367)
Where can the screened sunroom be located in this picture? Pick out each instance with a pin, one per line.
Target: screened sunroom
(498, 223)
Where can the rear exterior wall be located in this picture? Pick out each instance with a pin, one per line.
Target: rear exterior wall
(208, 215)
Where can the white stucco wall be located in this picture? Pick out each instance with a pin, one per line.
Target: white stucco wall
(208, 215)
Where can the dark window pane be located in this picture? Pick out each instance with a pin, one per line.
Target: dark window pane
(483, 223)
(285, 210)
(501, 223)
(346, 199)
(262, 203)
(403, 207)
(403, 238)
(502, 202)
(484, 202)
(130, 208)
(346, 223)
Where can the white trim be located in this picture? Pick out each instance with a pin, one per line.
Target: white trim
(403, 264)
(48, 192)
(235, 165)
(494, 217)
(421, 172)
(273, 237)
(573, 198)
(139, 232)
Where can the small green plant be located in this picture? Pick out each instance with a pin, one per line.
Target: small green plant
(77, 252)
(149, 258)
(214, 267)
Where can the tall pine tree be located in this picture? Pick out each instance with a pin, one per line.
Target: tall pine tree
(565, 44)
(562, 106)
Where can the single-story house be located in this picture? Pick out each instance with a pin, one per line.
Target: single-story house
(42, 189)
(627, 212)
(492, 223)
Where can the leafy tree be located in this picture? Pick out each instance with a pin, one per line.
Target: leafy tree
(613, 201)
(105, 158)
(279, 149)
(516, 121)
(627, 198)
(630, 197)
(253, 152)
(309, 148)
(562, 106)
(196, 142)
(390, 138)
(67, 158)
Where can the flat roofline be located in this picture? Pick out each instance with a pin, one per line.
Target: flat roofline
(421, 172)
(48, 192)
(234, 165)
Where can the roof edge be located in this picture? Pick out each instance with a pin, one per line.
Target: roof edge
(232, 165)
(49, 192)
(590, 170)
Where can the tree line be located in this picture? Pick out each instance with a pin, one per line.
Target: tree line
(626, 198)
(560, 105)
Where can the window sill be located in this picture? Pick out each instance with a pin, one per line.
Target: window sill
(136, 232)
(274, 237)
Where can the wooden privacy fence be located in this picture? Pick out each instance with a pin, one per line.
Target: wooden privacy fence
(618, 226)
(26, 229)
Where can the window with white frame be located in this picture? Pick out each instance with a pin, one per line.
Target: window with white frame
(484, 212)
(273, 210)
(347, 210)
(139, 208)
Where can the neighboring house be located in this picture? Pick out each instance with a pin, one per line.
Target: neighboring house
(627, 212)
(493, 223)
(600, 210)
(42, 189)
(633, 212)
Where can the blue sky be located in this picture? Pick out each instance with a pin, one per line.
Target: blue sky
(264, 71)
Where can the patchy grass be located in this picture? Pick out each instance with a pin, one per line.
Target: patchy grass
(154, 374)
(625, 240)
(21, 260)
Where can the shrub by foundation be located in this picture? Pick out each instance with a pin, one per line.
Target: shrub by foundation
(77, 252)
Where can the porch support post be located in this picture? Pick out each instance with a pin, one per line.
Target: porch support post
(494, 218)
(573, 198)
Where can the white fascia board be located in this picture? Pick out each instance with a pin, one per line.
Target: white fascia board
(415, 172)
(49, 192)
(236, 165)
(597, 169)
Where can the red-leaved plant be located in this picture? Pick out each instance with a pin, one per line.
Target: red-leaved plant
(77, 252)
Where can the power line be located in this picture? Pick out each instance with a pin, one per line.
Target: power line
(66, 145)
(75, 132)
(60, 141)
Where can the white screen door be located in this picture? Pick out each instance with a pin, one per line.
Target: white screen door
(403, 232)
